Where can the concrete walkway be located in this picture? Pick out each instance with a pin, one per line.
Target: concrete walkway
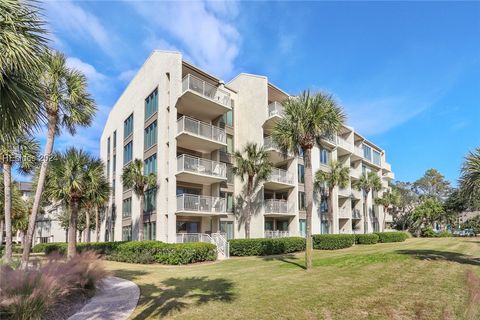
(115, 299)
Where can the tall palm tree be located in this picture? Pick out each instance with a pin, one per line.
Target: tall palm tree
(253, 163)
(306, 119)
(22, 151)
(67, 182)
(96, 196)
(133, 177)
(368, 182)
(22, 41)
(66, 103)
(470, 178)
(338, 175)
(388, 198)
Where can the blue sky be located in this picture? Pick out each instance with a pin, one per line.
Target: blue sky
(407, 73)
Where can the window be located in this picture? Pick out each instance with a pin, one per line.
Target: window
(301, 201)
(229, 144)
(188, 227)
(150, 200)
(324, 156)
(303, 227)
(128, 153)
(128, 126)
(108, 169)
(325, 227)
(229, 199)
(187, 190)
(127, 208)
(151, 104)
(126, 233)
(367, 152)
(113, 188)
(150, 137)
(324, 206)
(376, 157)
(228, 118)
(150, 231)
(227, 228)
(44, 239)
(150, 165)
(301, 173)
(114, 163)
(108, 147)
(230, 175)
(114, 139)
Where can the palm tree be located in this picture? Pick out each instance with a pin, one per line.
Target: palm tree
(306, 119)
(66, 103)
(22, 43)
(133, 177)
(338, 175)
(388, 198)
(67, 182)
(96, 196)
(368, 182)
(253, 163)
(470, 178)
(22, 151)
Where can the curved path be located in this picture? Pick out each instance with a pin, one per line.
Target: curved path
(115, 299)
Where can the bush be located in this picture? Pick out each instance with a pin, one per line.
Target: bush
(266, 246)
(47, 248)
(370, 238)
(333, 241)
(444, 234)
(385, 237)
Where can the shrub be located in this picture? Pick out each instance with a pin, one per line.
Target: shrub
(333, 241)
(266, 246)
(29, 294)
(444, 234)
(385, 237)
(47, 248)
(370, 238)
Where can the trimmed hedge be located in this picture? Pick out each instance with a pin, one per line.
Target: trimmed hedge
(369, 238)
(385, 237)
(141, 251)
(333, 241)
(266, 246)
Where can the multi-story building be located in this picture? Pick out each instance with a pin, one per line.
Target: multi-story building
(185, 124)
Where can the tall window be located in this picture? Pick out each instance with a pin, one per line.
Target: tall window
(150, 165)
(376, 157)
(108, 147)
(324, 156)
(301, 201)
(113, 188)
(228, 118)
(150, 230)
(367, 152)
(301, 173)
(127, 208)
(128, 153)
(128, 126)
(324, 206)
(229, 144)
(108, 169)
(126, 233)
(151, 104)
(229, 199)
(150, 200)
(114, 139)
(150, 137)
(303, 227)
(114, 163)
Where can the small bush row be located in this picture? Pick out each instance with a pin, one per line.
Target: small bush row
(141, 251)
(266, 246)
(385, 237)
(428, 232)
(369, 238)
(333, 241)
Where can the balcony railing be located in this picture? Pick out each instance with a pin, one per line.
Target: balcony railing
(275, 109)
(193, 237)
(196, 203)
(344, 213)
(356, 214)
(345, 144)
(201, 166)
(276, 206)
(330, 138)
(207, 90)
(201, 129)
(276, 234)
(281, 176)
(344, 192)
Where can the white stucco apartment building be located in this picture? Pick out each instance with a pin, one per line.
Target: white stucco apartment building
(184, 124)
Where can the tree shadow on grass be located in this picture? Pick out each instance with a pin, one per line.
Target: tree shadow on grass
(286, 258)
(435, 255)
(176, 294)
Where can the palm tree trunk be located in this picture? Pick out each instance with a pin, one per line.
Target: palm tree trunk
(330, 209)
(52, 123)
(365, 213)
(140, 218)
(2, 228)
(249, 207)
(97, 225)
(7, 181)
(87, 224)
(72, 230)
(307, 159)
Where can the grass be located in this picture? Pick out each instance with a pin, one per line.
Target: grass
(416, 279)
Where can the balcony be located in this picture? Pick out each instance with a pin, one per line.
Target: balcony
(356, 215)
(389, 175)
(190, 204)
(344, 147)
(356, 194)
(344, 192)
(276, 155)
(203, 100)
(201, 136)
(344, 213)
(275, 113)
(356, 172)
(279, 179)
(276, 234)
(275, 207)
(201, 171)
(330, 139)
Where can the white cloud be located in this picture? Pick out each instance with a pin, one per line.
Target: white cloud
(87, 69)
(127, 75)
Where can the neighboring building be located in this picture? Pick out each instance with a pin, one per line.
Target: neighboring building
(467, 215)
(185, 124)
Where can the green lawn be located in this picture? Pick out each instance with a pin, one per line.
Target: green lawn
(417, 279)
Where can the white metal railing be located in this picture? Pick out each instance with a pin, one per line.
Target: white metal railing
(344, 192)
(218, 239)
(268, 143)
(201, 166)
(208, 90)
(345, 144)
(359, 151)
(275, 109)
(223, 247)
(332, 138)
(196, 203)
(201, 129)
(193, 237)
(276, 234)
(356, 214)
(281, 176)
(344, 212)
(276, 206)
